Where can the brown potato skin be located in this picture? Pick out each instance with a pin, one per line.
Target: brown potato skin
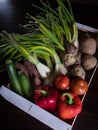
(89, 62)
(88, 46)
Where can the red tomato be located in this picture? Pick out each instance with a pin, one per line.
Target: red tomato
(61, 82)
(79, 86)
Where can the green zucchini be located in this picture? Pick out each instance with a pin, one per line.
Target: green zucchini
(13, 77)
(25, 85)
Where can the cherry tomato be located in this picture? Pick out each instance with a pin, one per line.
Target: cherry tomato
(61, 82)
(79, 86)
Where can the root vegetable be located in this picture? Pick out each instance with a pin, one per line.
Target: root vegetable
(72, 49)
(69, 59)
(21, 67)
(89, 62)
(78, 58)
(78, 71)
(88, 46)
(34, 75)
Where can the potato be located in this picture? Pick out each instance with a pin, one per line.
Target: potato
(89, 62)
(88, 46)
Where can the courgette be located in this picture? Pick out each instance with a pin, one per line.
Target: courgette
(13, 77)
(25, 85)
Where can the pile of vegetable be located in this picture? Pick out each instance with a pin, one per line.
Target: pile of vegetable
(48, 63)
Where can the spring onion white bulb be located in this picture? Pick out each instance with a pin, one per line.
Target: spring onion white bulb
(60, 68)
(42, 69)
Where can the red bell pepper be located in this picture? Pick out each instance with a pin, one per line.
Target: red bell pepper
(69, 106)
(46, 97)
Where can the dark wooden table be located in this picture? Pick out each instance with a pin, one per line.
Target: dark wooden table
(12, 13)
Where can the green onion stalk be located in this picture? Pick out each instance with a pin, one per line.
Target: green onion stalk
(68, 22)
(60, 21)
(59, 66)
(49, 35)
(47, 52)
(42, 68)
(31, 54)
(51, 40)
(45, 49)
(55, 44)
(54, 59)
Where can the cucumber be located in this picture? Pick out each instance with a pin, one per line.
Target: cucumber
(25, 85)
(13, 77)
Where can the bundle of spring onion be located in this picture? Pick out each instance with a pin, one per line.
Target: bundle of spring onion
(44, 45)
(60, 21)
